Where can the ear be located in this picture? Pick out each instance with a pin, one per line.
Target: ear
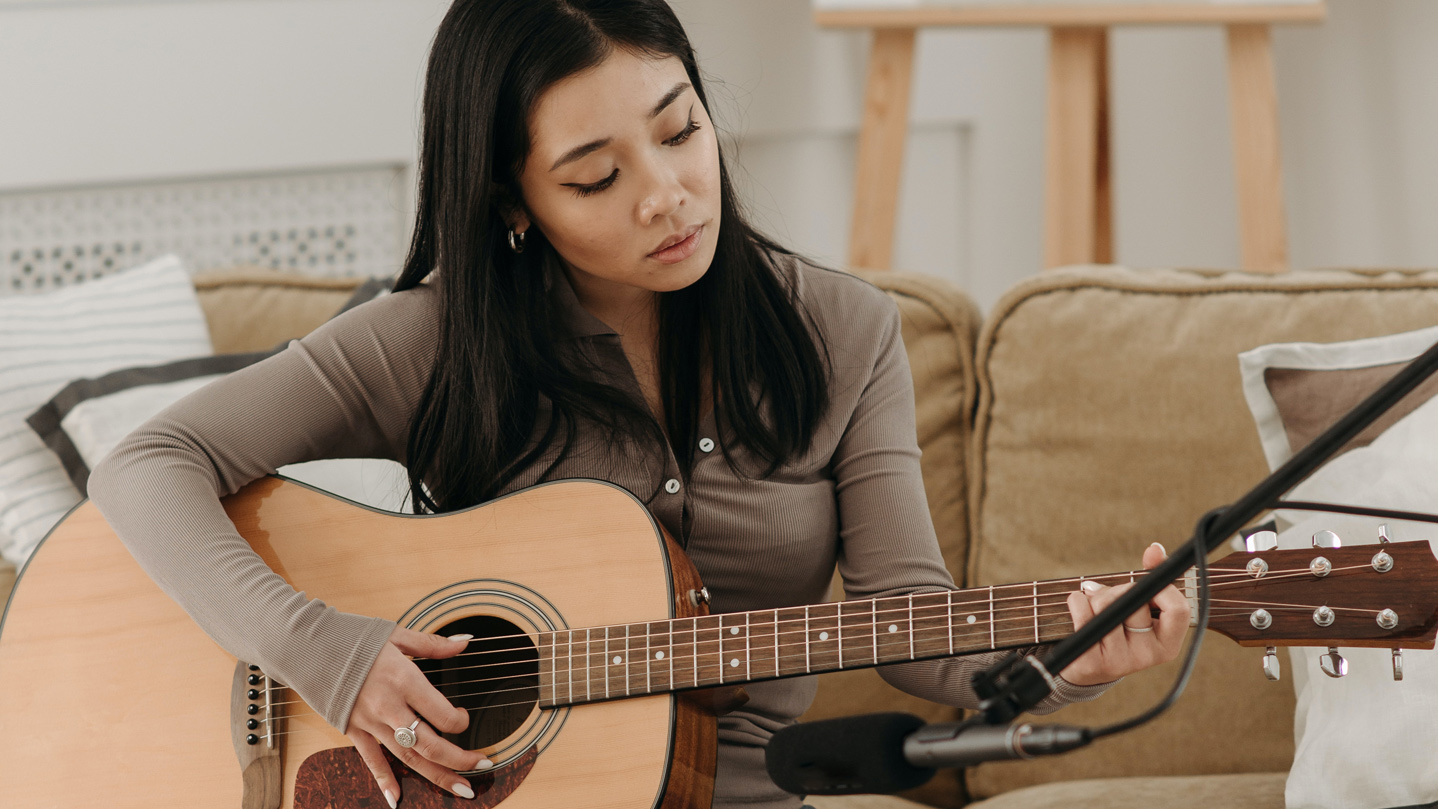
(511, 209)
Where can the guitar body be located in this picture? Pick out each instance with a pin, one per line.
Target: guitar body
(110, 694)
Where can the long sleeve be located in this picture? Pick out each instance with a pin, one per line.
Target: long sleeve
(888, 545)
(346, 390)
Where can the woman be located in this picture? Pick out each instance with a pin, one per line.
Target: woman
(599, 308)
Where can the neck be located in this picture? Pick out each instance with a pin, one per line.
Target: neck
(599, 663)
(627, 309)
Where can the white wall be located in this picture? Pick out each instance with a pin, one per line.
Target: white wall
(127, 90)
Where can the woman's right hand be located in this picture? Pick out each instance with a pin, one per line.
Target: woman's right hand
(394, 694)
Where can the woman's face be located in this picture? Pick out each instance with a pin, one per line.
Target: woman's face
(623, 176)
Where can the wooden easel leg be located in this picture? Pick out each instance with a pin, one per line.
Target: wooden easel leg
(1077, 215)
(881, 148)
(1253, 101)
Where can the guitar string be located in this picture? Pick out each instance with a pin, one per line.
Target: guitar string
(1029, 625)
(1025, 621)
(1025, 607)
(536, 687)
(1238, 577)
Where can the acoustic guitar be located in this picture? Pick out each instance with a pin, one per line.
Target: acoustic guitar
(592, 650)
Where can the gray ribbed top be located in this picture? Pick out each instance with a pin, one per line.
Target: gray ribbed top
(349, 389)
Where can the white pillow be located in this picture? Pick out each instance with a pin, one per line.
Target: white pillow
(144, 315)
(96, 424)
(1362, 741)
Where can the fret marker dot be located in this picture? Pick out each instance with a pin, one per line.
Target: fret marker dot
(734, 630)
(972, 619)
(618, 660)
(893, 627)
(823, 636)
(658, 655)
(734, 664)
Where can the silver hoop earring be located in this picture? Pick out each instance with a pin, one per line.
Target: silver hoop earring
(516, 241)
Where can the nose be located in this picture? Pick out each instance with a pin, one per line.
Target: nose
(663, 194)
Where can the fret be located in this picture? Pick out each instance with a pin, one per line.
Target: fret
(748, 662)
(648, 675)
(636, 638)
(776, 643)
(874, 627)
(569, 650)
(806, 638)
(588, 667)
(684, 654)
(1036, 612)
(893, 645)
(911, 626)
(546, 670)
(605, 668)
(991, 617)
(949, 613)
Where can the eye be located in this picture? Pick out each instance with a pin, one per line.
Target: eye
(684, 133)
(594, 188)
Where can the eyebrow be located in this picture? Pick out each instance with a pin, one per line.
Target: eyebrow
(595, 145)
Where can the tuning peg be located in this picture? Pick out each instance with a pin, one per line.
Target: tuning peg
(1260, 537)
(1383, 534)
(1333, 663)
(1270, 663)
(1326, 539)
(1397, 664)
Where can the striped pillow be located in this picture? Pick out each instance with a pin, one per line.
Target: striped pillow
(145, 315)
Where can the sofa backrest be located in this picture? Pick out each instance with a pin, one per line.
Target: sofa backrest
(1110, 416)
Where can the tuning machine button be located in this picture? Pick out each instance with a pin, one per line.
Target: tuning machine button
(1260, 539)
(1383, 534)
(1333, 663)
(1326, 539)
(1270, 664)
(1397, 664)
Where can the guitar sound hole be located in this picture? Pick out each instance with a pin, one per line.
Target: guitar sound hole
(496, 679)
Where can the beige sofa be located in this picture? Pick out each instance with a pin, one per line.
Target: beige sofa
(1095, 410)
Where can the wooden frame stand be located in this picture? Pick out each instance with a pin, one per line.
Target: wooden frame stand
(1078, 206)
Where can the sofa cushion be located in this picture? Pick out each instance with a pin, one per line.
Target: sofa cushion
(1246, 791)
(255, 309)
(940, 325)
(1111, 415)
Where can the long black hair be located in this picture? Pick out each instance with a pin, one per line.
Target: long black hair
(501, 392)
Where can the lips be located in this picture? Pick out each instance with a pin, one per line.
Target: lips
(679, 246)
(675, 239)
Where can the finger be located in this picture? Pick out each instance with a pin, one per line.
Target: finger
(1172, 623)
(417, 759)
(423, 644)
(1080, 608)
(373, 756)
(1153, 555)
(1139, 619)
(421, 695)
(440, 750)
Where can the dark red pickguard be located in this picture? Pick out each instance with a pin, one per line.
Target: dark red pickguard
(339, 779)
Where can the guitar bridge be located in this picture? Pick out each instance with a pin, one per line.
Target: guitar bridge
(255, 731)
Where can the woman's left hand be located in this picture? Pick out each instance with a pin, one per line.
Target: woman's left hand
(1141, 642)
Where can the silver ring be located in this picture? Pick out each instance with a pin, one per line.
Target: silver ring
(404, 737)
(1138, 628)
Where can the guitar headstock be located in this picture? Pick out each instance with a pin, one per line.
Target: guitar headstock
(1382, 595)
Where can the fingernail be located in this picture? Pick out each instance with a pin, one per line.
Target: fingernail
(484, 764)
(389, 796)
(462, 790)
(460, 637)
(1090, 587)
(1159, 545)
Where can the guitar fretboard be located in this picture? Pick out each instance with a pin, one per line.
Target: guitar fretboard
(600, 663)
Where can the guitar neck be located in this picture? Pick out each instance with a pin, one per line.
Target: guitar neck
(601, 663)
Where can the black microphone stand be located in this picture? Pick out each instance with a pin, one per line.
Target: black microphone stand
(1017, 685)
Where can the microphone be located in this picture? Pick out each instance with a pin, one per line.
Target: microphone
(891, 752)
